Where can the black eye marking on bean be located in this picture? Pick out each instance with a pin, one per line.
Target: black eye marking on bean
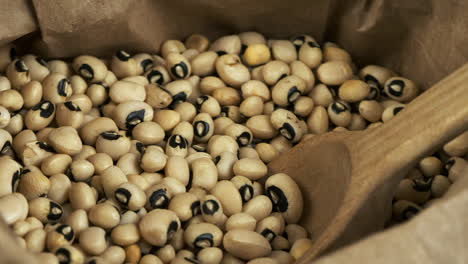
(62, 87)
(122, 55)
(45, 146)
(200, 100)
(396, 110)
(449, 164)
(203, 239)
(72, 107)
(154, 250)
(338, 107)
(140, 147)
(284, 75)
(134, 118)
(180, 70)
(244, 138)
(6, 147)
(217, 159)
(298, 42)
(293, 94)
(246, 191)
(210, 207)
(13, 53)
(201, 128)
(66, 231)
(152, 77)
(178, 141)
(46, 109)
(243, 48)
(180, 97)
(111, 135)
(279, 200)
(190, 180)
(396, 87)
(159, 199)
(199, 148)
(55, 211)
(41, 61)
(63, 255)
(372, 81)
(20, 66)
(25, 171)
(15, 180)
(123, 196)
(422, 185)
(268, 234)
(195, 207)
(287, 131)
(374, 93)
(172, 229)
(221, 52)
(409, 212)
(225, 111)
(86, 71)
(146, 64)
(313, 44)
(191, 260)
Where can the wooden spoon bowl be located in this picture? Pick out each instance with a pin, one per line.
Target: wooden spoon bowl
(348, 178)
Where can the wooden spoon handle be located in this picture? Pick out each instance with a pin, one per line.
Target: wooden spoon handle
(432, 119)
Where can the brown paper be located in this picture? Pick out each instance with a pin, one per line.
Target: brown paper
(421, 39)
(436, 235)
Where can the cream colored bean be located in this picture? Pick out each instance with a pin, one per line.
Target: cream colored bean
(241, 221)
(36, 240)
(246, 244)
(159, 226)
(270, 227)
(112, 177)
(203, 235)
(104, 215)
(230, 44)
(45, 210)
(259, 207)
(457, 146)
(33, 183)
(90, 68)
(78, 220)
(211, 255)
(125, 235)
(59, 236)
(205, 174)
(286, 196)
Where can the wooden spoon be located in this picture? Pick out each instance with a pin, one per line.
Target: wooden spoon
(348, 178)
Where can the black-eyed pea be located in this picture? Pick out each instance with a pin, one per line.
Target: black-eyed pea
(69, 114)
(391, 111)
(353, 91)
(111, 178)
(246, 244)
(150, 259)
(185, 206)
(245, 187)
(4, 83)
(148, 132)
(178, 168)
(90, 68)
(286, 197)
(97, 93)
(55, 164)
(46, 258)
(240, 133)
(114, 254)
(59, 66)
(129, 114)
(139, 181)
(251, 106)
(221, 123)
(198, 42)
(404, 210)
(251, 37)
(56, 88)
(231, 70)
(259, 207)
(440, 185)
(152, 178)
(158, 226)
(166, 254)
(274, 71)
(430, 166)
(185, 253)
(208, 104)
(60, 186)
(227, 96)
(300, 247)
(12, 100)
(129, 163)
(303, 106)
(229, 197)
(178, 66)
(232, 112)
(212, 210)
(82, 101)
(158, 196)
(157, 97)
(9, 176)
(40, 116)
(92, 240)
(125, 235)
(334, 72)
(282, 257)
(204, 173)
(186, 110)
(172, 46)
(18, 73)
(458, 146)
(144, 62)
(100, 161)
(203, 64)
(416, 191)
(263, 261)
(33, 183)
(35, 152)
(210, 255)
(92, 130)
(281, 144)
(270, 227)
(81, 196)
(283, 50)
(241, 221)
(81, 170)
(210, 83)
(261, 127)
(401, 89)
(339, 113)
(78, 220)
(158, 75)
(60, 235)
(230, 44)
(104, 215)
(130, 196)
(13, 208)
(167, 119)
(15, 124)
(78, 84)
(257, 73)
(177, 145)
(124, 91)
(332, 53)
(36, 240)
(180, 90)
(257, 54)
(123, 65)
(248, 152)
(266, 152)
(375, 75)
(300, 40)
(230, 259)
(220, 144)
(321, 95)
(310, 53)
(45, 210)
(287, 124)
(203, 235)
(255, 88)
(196, 154)
(203, 127)
(357, 122)
(455, 167)
(65, 140)
(69, 254)
(280, 243)
(224, 163)
(370, 110)
(153, 159)
(374, 125)
(299, 69)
